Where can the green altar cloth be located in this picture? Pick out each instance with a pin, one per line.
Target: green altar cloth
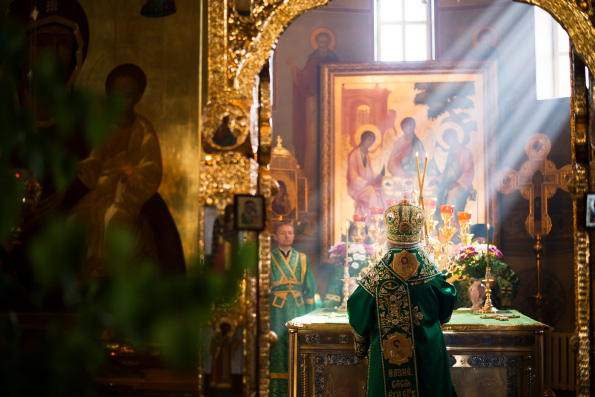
(461, 320)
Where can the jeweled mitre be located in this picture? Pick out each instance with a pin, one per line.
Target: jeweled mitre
(404, 222)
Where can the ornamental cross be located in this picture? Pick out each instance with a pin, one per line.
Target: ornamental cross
(537, 180)
(501, 317)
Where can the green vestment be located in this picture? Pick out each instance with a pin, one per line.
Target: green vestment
(396, 314)
(293, 294)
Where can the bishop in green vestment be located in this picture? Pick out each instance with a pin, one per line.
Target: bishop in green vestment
(396, 312)
(293, 294)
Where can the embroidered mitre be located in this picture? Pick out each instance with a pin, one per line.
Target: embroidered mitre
(404, 222)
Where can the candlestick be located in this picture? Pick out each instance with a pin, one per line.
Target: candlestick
(447, 231)
(464, 220)
(488, 307)
(343, 307)
(359, 221)
(430, 209)
(376, 232)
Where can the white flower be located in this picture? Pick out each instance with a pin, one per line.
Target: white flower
(355, 265)
(357, 248)
(359, 257)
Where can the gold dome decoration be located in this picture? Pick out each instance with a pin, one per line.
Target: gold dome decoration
(281, 158)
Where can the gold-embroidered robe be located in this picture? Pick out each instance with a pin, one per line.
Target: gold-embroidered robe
(293, 294)
(395, 315)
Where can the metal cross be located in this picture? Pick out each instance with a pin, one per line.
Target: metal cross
(500, 317)
(537, 180)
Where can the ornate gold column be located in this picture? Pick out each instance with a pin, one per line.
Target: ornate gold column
(238, 104)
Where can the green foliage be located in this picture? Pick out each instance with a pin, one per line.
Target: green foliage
(444, 97)
(136, 305)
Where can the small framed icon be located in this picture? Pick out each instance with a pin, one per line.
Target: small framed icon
(249, 212)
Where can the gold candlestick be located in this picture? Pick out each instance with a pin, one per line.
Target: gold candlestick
(488, 306)
(430, 209)
(346, 279)
(447, 231)
(464, 220)
(343, 307)
(376, 232)
(360, 223)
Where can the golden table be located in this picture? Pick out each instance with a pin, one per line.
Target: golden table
(488, 357)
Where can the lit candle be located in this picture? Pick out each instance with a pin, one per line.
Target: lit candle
(418, 176)
(447, 209)
(488, 249)
(377, 210)
(464, 216)
(359, 218)
(346, 231)
(430, 203)
(423, 179)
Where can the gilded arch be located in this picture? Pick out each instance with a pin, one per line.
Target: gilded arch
(239, 47)
(576, 20)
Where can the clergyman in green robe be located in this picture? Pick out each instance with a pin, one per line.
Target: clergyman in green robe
(293, 294)
(396, 312)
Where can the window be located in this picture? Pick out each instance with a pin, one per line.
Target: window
(404, 30)
(552, 57)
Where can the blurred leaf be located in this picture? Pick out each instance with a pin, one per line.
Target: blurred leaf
(57, 254)
(136, 303)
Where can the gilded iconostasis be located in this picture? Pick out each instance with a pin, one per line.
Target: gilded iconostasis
(154, 45)
(317, 64)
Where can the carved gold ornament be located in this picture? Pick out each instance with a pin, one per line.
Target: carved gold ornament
(405, 264)
(239, 46)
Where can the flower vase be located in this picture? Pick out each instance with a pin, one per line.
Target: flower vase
(477, 293)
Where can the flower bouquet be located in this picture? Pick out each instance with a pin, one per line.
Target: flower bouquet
(358, 256)
(469, 261)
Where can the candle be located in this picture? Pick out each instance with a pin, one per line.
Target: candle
(359, 218)
(377, 210)
(417, 163)
(423, 179)
(464, 216)
(447, 209)
(430, 203)
(391, 202)
(347, 231)
(488, 250)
